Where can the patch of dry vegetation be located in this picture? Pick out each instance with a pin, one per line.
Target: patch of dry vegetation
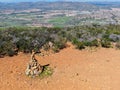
(14, 40)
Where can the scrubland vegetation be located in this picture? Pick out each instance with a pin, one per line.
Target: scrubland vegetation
(26, 39)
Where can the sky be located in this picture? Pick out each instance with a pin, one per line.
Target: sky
(53, 0)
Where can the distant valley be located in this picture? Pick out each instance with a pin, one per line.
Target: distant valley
(59, 14)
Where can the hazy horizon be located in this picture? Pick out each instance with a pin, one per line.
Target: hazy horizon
(60, 0)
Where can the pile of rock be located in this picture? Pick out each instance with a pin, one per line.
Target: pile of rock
(33, 68)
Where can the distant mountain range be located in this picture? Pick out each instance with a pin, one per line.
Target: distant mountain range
(59, 5)
(49, 6)
(59, 0)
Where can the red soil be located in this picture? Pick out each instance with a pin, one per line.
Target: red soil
(73, 70)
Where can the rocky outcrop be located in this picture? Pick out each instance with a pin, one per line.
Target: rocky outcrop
(33, 68)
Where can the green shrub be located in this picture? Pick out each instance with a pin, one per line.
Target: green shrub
(106, 43)
(46, 72)
(94, 43)
(7, 48)
(91, 43)
(59, 44)
(75, 41)
(11, 53)
(80, 45)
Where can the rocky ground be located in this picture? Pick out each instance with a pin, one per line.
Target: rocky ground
(90, 69)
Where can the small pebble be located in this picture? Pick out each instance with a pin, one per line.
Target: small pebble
(11, 71)
(77, 74)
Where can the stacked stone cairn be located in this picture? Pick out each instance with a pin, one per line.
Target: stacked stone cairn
(33, 68)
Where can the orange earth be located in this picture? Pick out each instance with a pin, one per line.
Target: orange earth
(90, 69)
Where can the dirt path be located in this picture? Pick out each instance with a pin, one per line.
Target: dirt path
(73, 70)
